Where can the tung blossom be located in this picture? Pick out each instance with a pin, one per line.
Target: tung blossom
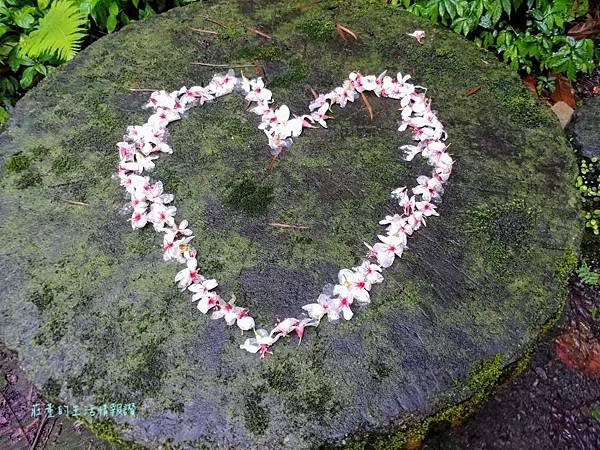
(142, 145)
(260, 343)
(419, 35)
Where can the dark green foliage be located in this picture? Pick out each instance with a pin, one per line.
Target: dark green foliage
(36, 36)
(586, 275)
(530, 35)
(588, 183)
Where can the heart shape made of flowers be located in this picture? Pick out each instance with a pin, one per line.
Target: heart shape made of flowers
(150, 204)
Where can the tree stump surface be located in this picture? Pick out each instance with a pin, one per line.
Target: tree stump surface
(93, 310)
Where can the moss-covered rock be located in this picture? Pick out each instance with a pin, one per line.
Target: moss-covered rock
(93, 311)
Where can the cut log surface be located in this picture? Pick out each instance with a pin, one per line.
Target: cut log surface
(96, 317)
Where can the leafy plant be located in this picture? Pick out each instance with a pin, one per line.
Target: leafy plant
(38, 35)
(529, 34)
(588, 184)
(586, 275)
(57, 35)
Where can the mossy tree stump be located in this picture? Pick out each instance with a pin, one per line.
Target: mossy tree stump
(93, 310)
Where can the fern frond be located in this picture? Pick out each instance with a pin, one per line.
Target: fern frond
(58, 34)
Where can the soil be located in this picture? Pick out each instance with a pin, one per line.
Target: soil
(550, 404)
(17, 397)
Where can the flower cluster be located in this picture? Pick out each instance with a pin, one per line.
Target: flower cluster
(143, 144)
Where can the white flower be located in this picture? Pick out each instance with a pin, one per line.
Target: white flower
(160, 215)
(419, 35)
(318, 310)
(398, 226)
(208, 302)
(389, 247)
(188, 275)
(371, 272)
(319, 115)
(202, 288)
(244, 321)
(260, 343)
(258, 92)
(428, 188)
(342, 304)
(222, 84)
(354, 285)
(285, 327)
(139, 219)
(345, 94)
(428, 209)
(227, 311)
(175, 248)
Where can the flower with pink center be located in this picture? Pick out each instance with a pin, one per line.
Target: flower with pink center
(139, 219)
(343, 302)
(345, 94)
(397, 225)
(222, 84)
(419, 35)
(208, 302)
(306, 322)
(227, 311)
(163, 117)
(161, 99)
(428, 188)
(320, 115)
(285, 327)
(389, 247)
(258, 92)
(260, 343)
(161, 215)
(202, 288)
(371, 272)
(427, 208)
(188, 275)
(174, 248)
(354, 285)
(318, 310)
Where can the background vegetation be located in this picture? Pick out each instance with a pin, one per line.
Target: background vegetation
(36, 36)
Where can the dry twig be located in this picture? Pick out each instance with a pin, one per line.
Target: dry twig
(367, 104)
(342, 31)
(285, 225)
(260, 33)
(39, 432)
(202, 30)
(232, 66)
(75, 202)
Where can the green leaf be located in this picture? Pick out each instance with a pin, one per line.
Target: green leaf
(42, 4)
(58, 33)
(111, 23)
(14, 60)
(485, 22)
(136, 3)
(3, 29)
(595, 413)
(41, 69)
(3, 115)
(27, 77)
(113, 9)
(507, 6)
(23, 19)
(495, 12)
